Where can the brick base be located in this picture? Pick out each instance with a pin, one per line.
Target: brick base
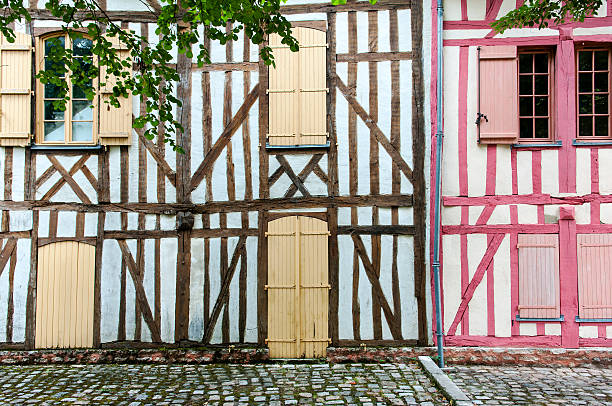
(453, 355)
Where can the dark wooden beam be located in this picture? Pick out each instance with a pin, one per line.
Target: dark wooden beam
(403, 200)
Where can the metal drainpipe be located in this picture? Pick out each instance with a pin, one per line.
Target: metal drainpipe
(436, 238)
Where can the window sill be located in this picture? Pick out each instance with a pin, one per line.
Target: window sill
(579, 143)
(39, 147)
(530, 319)
(555, 144)
(297, 147)
(579, 320)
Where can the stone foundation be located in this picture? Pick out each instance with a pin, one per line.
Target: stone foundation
(453, 355)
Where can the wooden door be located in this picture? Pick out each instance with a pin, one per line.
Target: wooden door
(64, 295)
(298, 287)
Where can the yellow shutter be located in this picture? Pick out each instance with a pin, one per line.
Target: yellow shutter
(16, 90)
(298, 287)
(64, 295)
(312, 87)
(297, 93)
(115, 123)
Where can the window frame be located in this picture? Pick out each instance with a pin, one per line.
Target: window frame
(592, 47)
(552, 111)
(40, 98)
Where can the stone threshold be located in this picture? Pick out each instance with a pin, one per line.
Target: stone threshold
(335, 355)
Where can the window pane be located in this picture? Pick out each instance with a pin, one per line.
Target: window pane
(585, 126)
(601, 82)
(81, 110)
(52, 91)
(585, 104)
(78, 93)
(541, 128)
(81, 46)
(601, 126)
(54, 131)
(56, 67)
(525, 85)
(52, 113)
(585, 82)
(601, 60)
(526, 128)
(53, 42)
(585, 60)
(541, 63)
(541, 106)
(541, 84)
(525, 63)
(526, 106)
(82, 131)
(601, 104)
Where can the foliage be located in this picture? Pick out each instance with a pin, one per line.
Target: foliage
(541, 13)
(180, 27)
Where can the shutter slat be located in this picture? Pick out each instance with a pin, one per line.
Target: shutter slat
(16, 90)
(498, 95)
(539, 276)
(115, 123)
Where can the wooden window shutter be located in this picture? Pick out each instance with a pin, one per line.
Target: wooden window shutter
(297, 92)
(16, 91)
(595, 276)
(498, 95)
(298, 287)
(115, 123)
(539, 276)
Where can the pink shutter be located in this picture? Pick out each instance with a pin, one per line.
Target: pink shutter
(538, 276)
(595, 276)
(498, 95)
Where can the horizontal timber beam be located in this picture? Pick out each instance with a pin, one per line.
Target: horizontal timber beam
(325, 7)
(524, 199)
(395, 200)
(502, 229)
(374, 57)
(195, 233)
(377, 230)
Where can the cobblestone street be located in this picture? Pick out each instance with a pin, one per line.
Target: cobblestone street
(534, 386)
(218, 384)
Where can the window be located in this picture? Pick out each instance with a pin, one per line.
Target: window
(77, 124)
(593, 93)
(297, 93)
(538, 276)
(535, 95)
(594, 276)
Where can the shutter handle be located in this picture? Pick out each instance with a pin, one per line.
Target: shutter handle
(479, 117)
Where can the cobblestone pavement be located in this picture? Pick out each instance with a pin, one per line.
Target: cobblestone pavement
(269, 384)
(534, 386)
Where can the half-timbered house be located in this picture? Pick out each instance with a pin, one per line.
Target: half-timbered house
(294, 219)
(526, 192)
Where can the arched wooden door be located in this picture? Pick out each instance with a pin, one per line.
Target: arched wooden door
(64, 295)
(298, 287)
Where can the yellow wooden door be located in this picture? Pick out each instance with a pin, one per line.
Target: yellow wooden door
(298, 287)
(64, 295)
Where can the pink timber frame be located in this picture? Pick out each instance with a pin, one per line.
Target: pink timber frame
(567, 229)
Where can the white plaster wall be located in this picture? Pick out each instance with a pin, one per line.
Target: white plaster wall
(451, 279)
(450, 162)
(477, 307)
(501, 289)
(587, 332)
